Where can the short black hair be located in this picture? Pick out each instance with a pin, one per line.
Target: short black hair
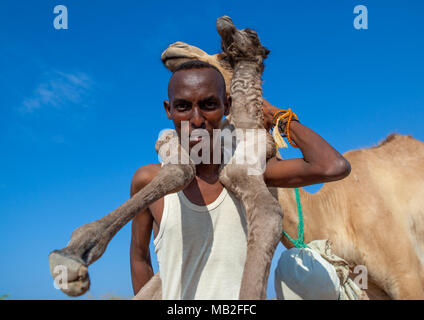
(195, 64)
(198, 64)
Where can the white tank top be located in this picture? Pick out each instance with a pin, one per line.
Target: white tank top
(201, 250)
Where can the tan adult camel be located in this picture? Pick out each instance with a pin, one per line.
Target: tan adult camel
(374, 217)
(264, 219)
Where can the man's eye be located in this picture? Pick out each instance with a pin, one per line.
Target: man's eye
(182, 106)
(210, 104)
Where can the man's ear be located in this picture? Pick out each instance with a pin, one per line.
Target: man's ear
(167, 107)
(227, 105)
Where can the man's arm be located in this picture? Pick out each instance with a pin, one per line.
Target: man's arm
(141, 265)
(320, 163)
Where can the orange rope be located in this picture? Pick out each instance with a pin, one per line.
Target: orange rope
(285, 115)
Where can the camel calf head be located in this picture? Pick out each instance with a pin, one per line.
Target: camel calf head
(240, 45)
(180, 52)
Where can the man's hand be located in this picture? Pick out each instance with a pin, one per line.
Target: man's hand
(269, 111)
(320, 163)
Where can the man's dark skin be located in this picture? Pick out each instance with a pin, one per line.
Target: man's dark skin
(198, 96)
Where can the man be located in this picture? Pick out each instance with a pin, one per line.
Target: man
(200, 233)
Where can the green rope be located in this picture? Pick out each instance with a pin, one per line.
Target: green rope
(299, 242)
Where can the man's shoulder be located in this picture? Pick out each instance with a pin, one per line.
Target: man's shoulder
(143, 176)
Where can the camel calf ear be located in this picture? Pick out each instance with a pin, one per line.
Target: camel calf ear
(221, 56)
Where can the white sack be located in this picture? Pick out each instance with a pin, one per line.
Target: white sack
(302, 274)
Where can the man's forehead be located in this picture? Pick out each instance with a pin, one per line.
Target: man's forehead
(204, 79)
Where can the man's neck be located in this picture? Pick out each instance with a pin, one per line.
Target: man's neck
(208, 172)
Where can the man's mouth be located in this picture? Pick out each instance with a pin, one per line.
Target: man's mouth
(195, 139)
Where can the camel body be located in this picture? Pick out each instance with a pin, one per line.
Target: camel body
(374, 217)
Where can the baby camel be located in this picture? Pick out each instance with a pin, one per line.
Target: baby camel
(245, 55)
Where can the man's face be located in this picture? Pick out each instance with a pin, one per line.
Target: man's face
(198, 97)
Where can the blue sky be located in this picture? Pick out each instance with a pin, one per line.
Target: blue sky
(81, 108)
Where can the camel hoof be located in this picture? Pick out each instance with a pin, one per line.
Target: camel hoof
(70, 275)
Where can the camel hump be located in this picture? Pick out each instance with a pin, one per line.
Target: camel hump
(396, 138)
(396, 144)
(395, 149)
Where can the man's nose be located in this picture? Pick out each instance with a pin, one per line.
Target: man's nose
(197, 121)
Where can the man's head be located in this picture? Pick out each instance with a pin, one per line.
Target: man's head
(197, 94)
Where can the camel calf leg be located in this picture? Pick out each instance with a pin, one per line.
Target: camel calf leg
(264, 234)
(264, 214)
(264, 218)
(89, 241)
